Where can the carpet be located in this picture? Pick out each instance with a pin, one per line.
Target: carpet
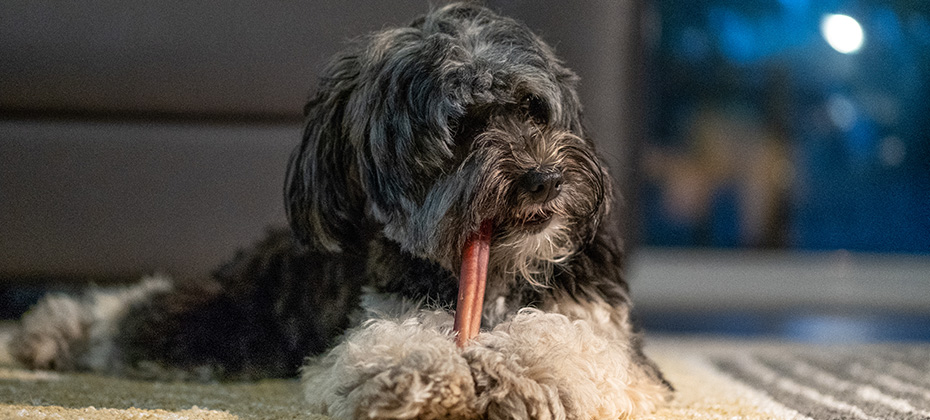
(720, 378)
(715, 379)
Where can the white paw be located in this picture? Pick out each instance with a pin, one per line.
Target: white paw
(505, 390)
(394, 369)
(537, 366)
(546, 366)
(63, 332)
(51, 333)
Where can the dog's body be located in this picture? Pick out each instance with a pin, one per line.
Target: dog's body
(414, 139)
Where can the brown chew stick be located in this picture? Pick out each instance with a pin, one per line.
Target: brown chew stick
(472, 278)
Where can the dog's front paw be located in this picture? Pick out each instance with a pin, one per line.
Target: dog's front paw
(414, 389)
(393, 370)
(545, 366)
(506, 390)
(51, 333)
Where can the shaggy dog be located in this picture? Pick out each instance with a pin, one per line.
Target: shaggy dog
(415, 140)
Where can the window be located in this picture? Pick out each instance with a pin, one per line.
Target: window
(788, 124)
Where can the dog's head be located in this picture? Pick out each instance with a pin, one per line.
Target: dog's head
(424, 132)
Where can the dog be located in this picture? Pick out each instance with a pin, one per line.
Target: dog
(416, 138)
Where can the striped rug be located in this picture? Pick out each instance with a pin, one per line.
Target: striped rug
(752, 379)
(714, 378)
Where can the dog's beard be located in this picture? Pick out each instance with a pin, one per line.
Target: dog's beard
(532, 256)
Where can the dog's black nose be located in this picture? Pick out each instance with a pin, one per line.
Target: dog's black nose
(542, 184)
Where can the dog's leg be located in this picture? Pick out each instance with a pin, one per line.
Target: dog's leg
(258, 316)
(543, 365)
(77, 332)
(537, 365)
(402, 368)
(156, 328)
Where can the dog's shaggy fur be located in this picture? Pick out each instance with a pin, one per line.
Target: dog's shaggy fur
(414, 138)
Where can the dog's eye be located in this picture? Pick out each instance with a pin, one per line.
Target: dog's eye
(535, 108)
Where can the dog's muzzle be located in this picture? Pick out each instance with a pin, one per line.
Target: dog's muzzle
(540, 186)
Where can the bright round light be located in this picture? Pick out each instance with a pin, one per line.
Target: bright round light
(842, 32)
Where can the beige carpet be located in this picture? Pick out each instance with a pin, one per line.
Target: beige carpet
(715, 379)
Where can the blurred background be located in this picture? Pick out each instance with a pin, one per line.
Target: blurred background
(773, 156)
(785, 172)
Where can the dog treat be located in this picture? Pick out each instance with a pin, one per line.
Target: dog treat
(474, 273)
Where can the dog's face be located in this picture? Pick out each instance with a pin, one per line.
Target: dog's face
(429, 130)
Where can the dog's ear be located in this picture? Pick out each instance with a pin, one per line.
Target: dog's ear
(323, 198)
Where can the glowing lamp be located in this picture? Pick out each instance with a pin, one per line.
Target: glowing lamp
(842, 32)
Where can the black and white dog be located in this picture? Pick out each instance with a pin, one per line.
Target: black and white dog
(415, 139)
